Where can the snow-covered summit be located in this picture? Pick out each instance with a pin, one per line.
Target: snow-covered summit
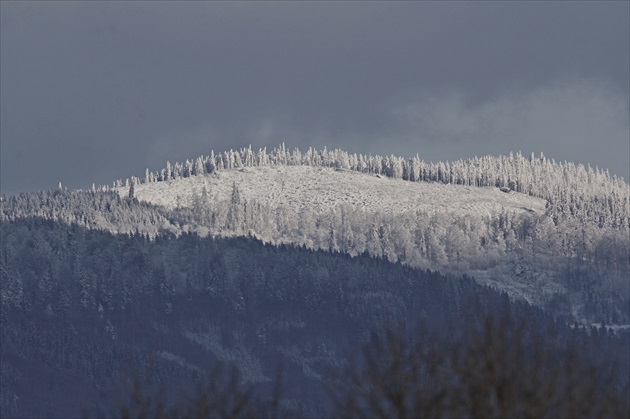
(321, 189)
(570, 190)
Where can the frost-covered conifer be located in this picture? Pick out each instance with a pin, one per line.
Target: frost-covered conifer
(168, 173)
(132, 189)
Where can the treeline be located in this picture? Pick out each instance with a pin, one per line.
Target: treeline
(571, 190)
(89, 209)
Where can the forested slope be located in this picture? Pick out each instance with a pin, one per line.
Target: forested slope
(252, 260)
(572, 190)
(556, 234)
(84, 312)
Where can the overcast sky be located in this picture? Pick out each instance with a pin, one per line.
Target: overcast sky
(95, 91)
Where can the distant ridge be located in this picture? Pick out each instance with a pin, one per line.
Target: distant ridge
(570, 189)
(552, 233)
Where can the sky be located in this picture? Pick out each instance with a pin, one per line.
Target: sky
(95, 91)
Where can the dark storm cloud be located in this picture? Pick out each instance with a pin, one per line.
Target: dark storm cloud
(94, 91)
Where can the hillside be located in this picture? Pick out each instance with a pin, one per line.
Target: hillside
(554, 234)
(464, 217)
(86, 313)
(321, 189)
(245, 260)
(292, 192)
(572, 191)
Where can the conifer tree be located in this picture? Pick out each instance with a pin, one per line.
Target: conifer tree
(132, 189)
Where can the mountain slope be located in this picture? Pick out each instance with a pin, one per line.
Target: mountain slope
(244, 259)
(554, 234)
(321, 189)
(86, 312)
(571, 190)
(505, 239)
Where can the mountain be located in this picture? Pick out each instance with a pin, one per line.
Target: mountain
(530, 226)
(554, 234)
(260, 259)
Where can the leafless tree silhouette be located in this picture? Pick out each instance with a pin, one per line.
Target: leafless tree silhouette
(500, 371)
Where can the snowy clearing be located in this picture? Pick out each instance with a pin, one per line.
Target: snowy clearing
(320, 189)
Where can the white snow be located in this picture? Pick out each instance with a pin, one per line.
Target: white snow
(321, 189)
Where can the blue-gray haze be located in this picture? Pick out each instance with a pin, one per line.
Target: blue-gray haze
(94, 91)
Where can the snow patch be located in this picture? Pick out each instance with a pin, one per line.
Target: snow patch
(321, 189)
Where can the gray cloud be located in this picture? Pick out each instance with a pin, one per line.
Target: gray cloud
(95, 91)
(578, 121)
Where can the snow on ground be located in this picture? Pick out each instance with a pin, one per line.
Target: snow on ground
(321, 189)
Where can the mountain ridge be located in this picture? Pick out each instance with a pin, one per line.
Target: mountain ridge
(480, 217)
(561, 184)
(103, 286)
